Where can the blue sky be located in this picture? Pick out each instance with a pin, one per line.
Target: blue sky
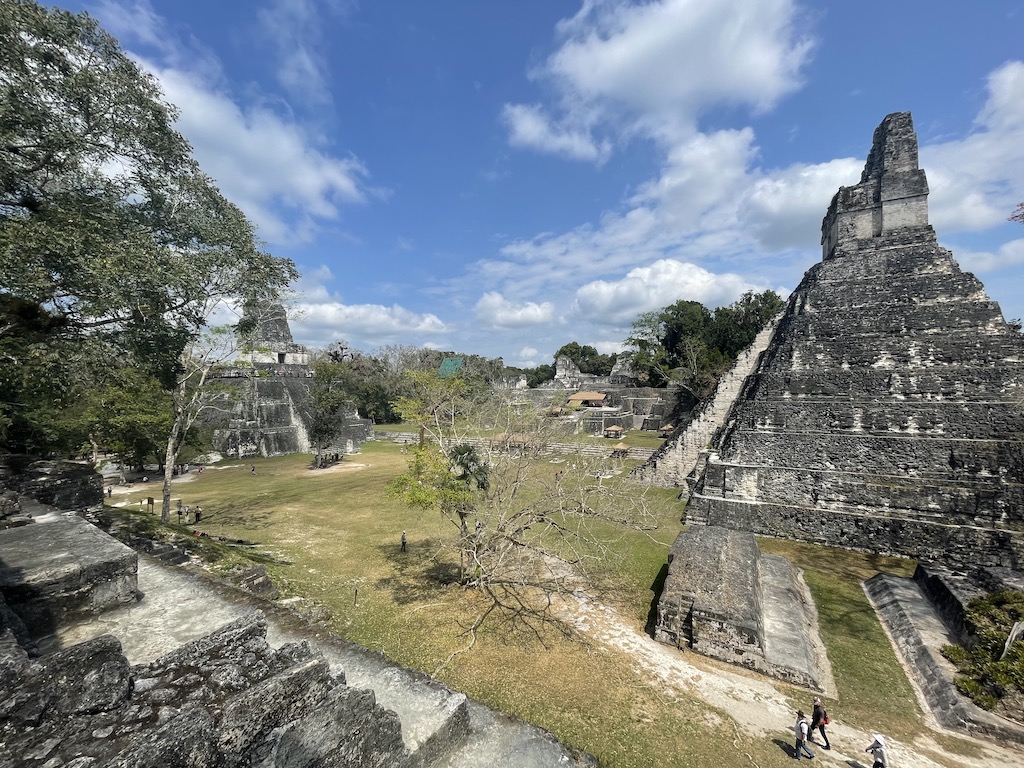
(501, 178)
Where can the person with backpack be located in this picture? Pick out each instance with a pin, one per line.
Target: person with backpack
(819, 719)
(801, 730)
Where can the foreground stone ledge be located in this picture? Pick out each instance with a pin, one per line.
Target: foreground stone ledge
(52, 571)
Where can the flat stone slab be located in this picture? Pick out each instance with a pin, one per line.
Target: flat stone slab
(788, 631)
(54, 570)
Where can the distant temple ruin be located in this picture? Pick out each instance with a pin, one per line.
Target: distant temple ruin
(885, 414)
(272, 375)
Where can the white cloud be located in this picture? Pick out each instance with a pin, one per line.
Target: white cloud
(653, 68)
(528, 352)
(974, 182)
(1007, 255)
(647, 288)
(784, 208)
(365, 325)
(529, 127)
(294, 29)
(264, 161)
(496, 311)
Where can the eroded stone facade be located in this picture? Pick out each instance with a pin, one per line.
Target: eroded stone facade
(886, 413)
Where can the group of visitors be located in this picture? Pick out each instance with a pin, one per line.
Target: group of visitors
(804, 733)
(185, 511)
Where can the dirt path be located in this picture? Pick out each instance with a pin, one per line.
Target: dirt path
(754, 702)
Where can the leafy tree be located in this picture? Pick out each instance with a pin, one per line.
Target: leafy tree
(534, 376)
(109, 231)
(691, 347)
(1018, 214)
(325, 405)
(734, 327)
(129, 415)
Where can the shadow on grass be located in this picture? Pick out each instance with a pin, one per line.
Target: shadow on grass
(786, 747)
(418, 572)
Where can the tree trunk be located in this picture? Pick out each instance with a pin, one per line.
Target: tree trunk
(170, 459)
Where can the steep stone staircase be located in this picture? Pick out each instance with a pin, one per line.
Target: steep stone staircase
(685, 452)
(169, 628)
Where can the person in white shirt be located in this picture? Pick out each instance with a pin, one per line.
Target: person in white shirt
(801, 730)
(878, 752)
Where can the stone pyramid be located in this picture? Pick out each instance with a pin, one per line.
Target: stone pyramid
(886, 412)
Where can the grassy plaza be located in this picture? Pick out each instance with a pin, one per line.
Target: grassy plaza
(333, 537)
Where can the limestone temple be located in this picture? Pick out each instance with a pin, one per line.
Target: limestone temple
(881, 412)
(886, 412)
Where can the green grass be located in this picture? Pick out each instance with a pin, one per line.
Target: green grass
(873, 687)
(333, 536)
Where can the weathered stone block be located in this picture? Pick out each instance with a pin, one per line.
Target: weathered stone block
(51, 571)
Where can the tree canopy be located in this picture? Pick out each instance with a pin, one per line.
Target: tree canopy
(687, 344)
(109, 230)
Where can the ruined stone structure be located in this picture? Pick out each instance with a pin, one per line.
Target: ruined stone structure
(272, 378)
(271, 340)
(885, 415)
(724, 598)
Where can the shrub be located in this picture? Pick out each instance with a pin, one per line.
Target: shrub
(983, 677)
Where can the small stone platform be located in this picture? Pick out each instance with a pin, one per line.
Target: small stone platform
(725, 599)
(53, 571)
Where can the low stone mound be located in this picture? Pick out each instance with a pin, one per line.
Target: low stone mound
(725, 599)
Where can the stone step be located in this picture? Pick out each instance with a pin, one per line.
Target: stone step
(61, 567)
(439, 727)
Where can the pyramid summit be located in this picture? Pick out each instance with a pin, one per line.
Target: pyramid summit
(886, 412)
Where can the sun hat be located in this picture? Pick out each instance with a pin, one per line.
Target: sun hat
(879, 738)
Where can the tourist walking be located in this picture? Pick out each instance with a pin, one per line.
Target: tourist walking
(878, 751)
(199, 513)
(801, 730)
(403, 541)
(819, 719)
